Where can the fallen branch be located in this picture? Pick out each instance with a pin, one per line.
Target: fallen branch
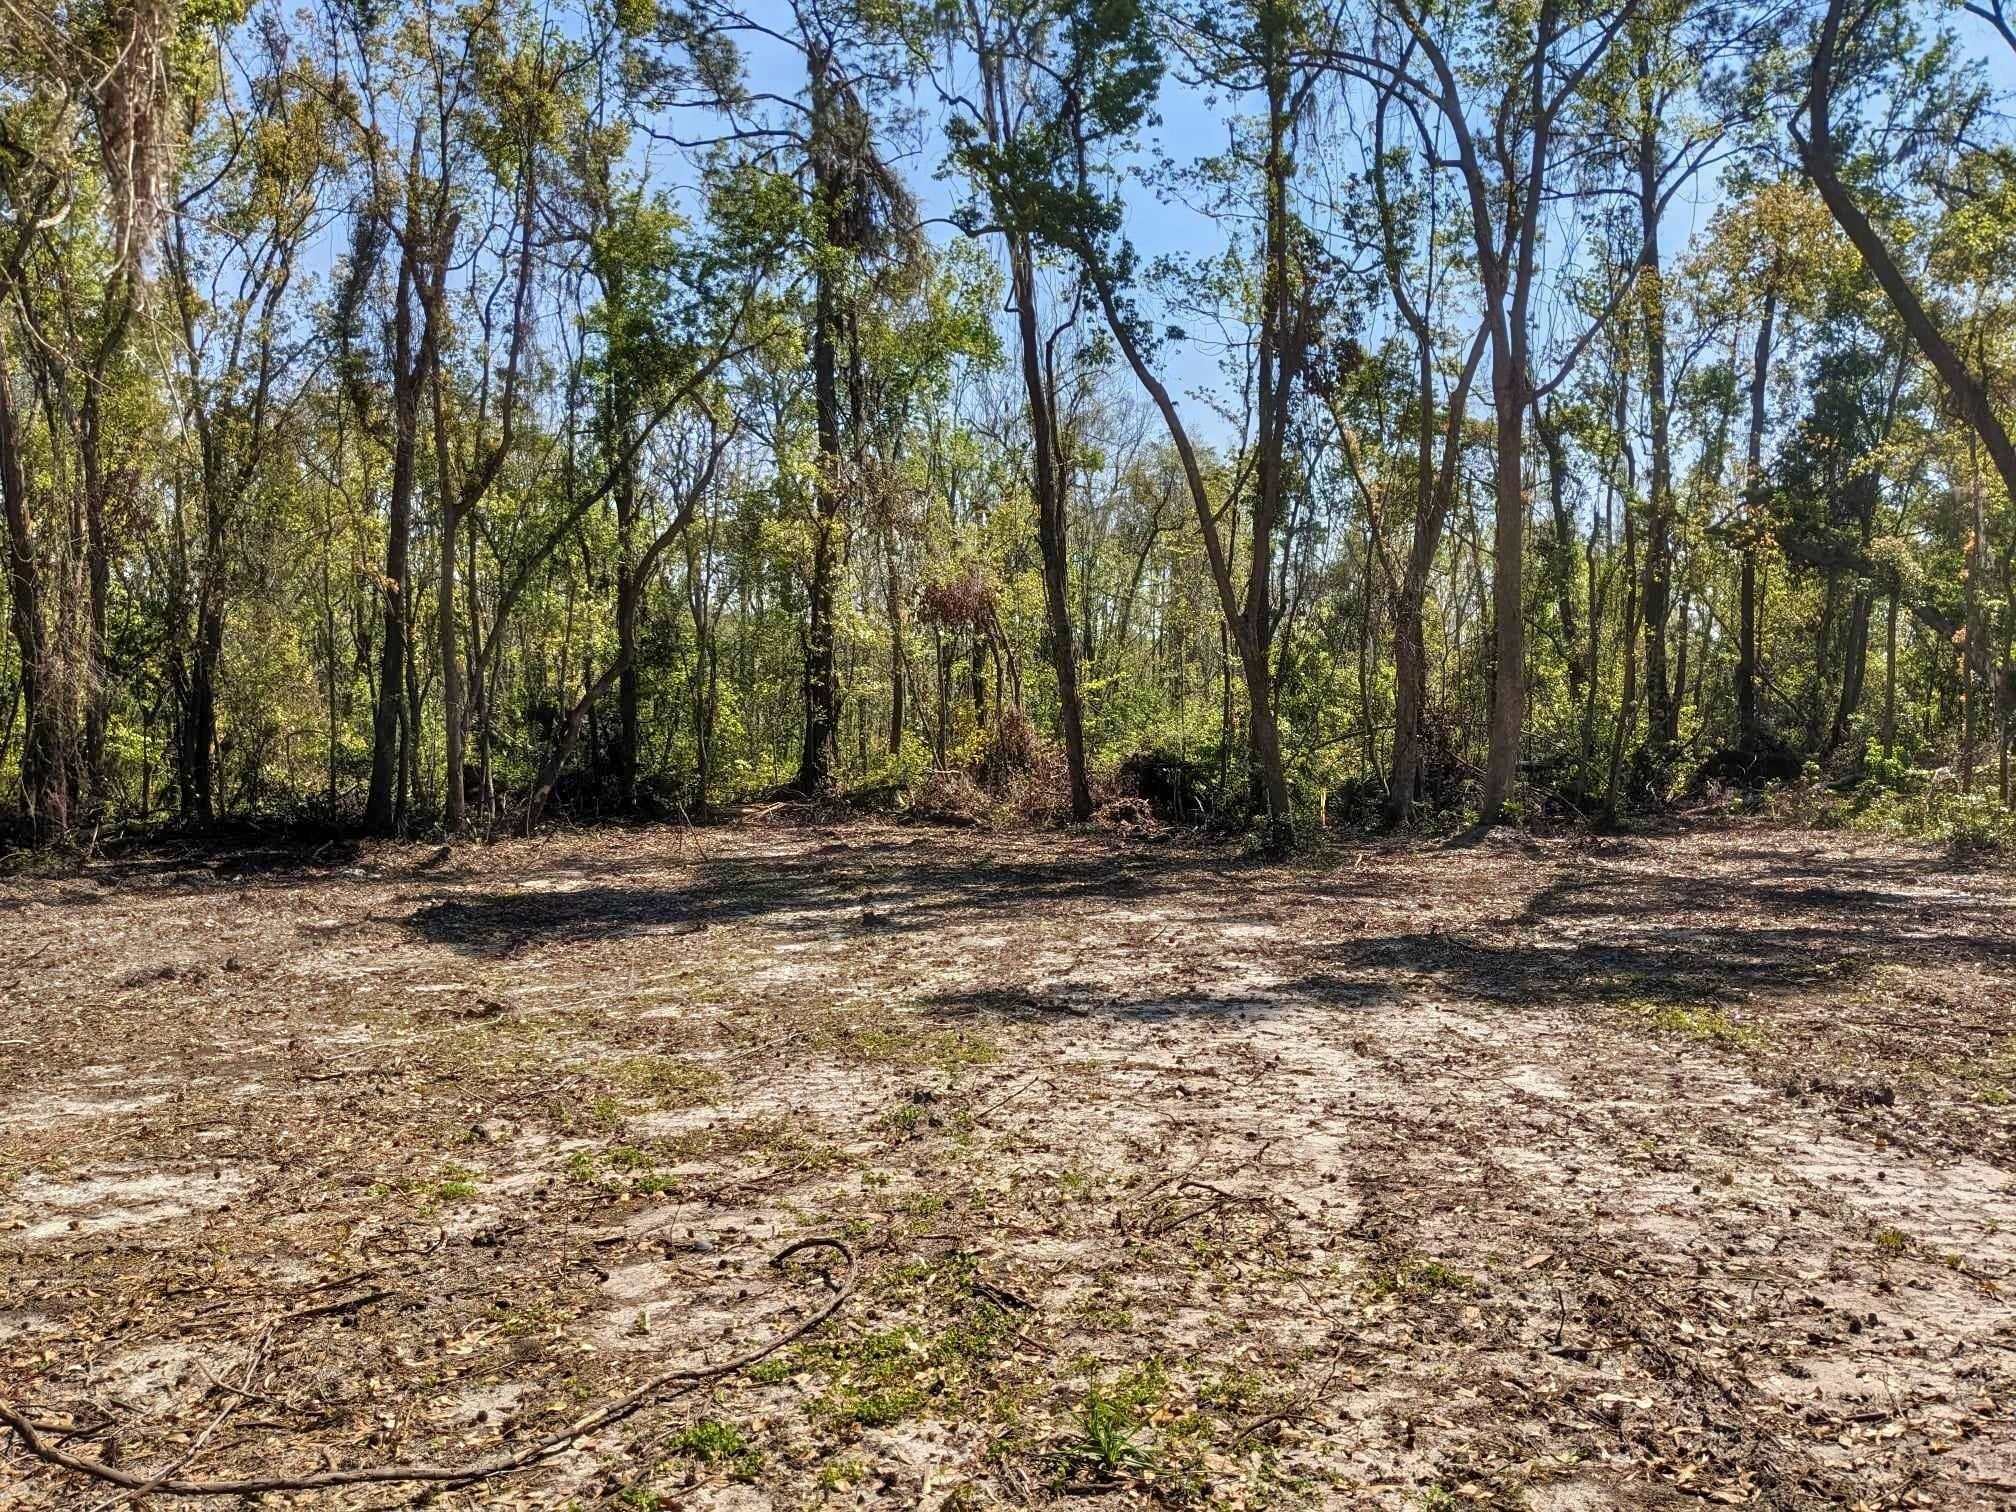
(451, 1475)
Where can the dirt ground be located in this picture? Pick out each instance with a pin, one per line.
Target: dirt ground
(1545, 1173)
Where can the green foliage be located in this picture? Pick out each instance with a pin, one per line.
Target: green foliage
(209, 421)
(715, 1443)
(1109, 1438)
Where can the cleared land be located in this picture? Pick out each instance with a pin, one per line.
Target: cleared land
(1543, 1173)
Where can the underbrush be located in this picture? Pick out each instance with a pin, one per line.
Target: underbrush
(1892, 798)
(1008, 776)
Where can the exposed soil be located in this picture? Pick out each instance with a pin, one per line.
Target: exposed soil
(1546, 1173)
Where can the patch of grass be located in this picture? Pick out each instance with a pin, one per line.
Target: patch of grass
(1242, 1392)
(840, 1474)
(903, 1120)
(786, 1147)
(1993, 1075)
(1108, 1440)
(1891, 1240)
(1095, 1312)
(881, 1377)
(713, 1442)
(1109, 1423)
(881, 1407)
(905, 1045)
(454, 1184)
(621, 1168)
(1419, 1278)
(876, 1378)
(1142, 1387)
(1698, 1021)
(669, 1083)
(536, 1317)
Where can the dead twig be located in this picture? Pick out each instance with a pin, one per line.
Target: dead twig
(453, 1475)
(242, 1392)
(995, 1107)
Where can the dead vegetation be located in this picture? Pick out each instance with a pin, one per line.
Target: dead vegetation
(1523, 1173)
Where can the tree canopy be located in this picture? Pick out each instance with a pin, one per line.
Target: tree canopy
(419, 416)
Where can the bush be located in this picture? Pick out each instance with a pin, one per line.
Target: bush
(1974, 821)
(1894, 798)
(1174, 786)
(950, 797)
(905, 770)
(1011, 750)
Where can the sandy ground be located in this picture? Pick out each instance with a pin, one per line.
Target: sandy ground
(1558, 1174)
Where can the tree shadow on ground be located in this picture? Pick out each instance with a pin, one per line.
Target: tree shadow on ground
(1061, 1004)
(869, 889)
(1714, 900)
(1668, 937)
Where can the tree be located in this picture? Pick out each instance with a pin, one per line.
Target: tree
(1502, 129)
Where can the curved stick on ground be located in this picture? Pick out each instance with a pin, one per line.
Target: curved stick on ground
(450, 1475)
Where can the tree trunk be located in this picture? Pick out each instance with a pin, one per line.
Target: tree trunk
(628, 592)
(383, 808)
(819, 754)
(1284, 335)
(1561, 562)
(1410, 699)
(1508, 700)
(1749, 731)
(42, 785)
(456, 789)
(1051, 524)
(1890, 680)
(198, 779)
(1662, 705)
(899, 651)
(1627, 713)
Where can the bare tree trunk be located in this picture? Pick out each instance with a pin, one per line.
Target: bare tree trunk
(1410, 698)
(819, 752)
(455, 789)
(1561, 547)
(1974, 664)
(42, 784)
(1627, 713)
(899, 653)
(1508, 610)
(1749, 729)
(1890, 679)
(1051, 524)
(629, 593)
(383, 807)
(1662, 706)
